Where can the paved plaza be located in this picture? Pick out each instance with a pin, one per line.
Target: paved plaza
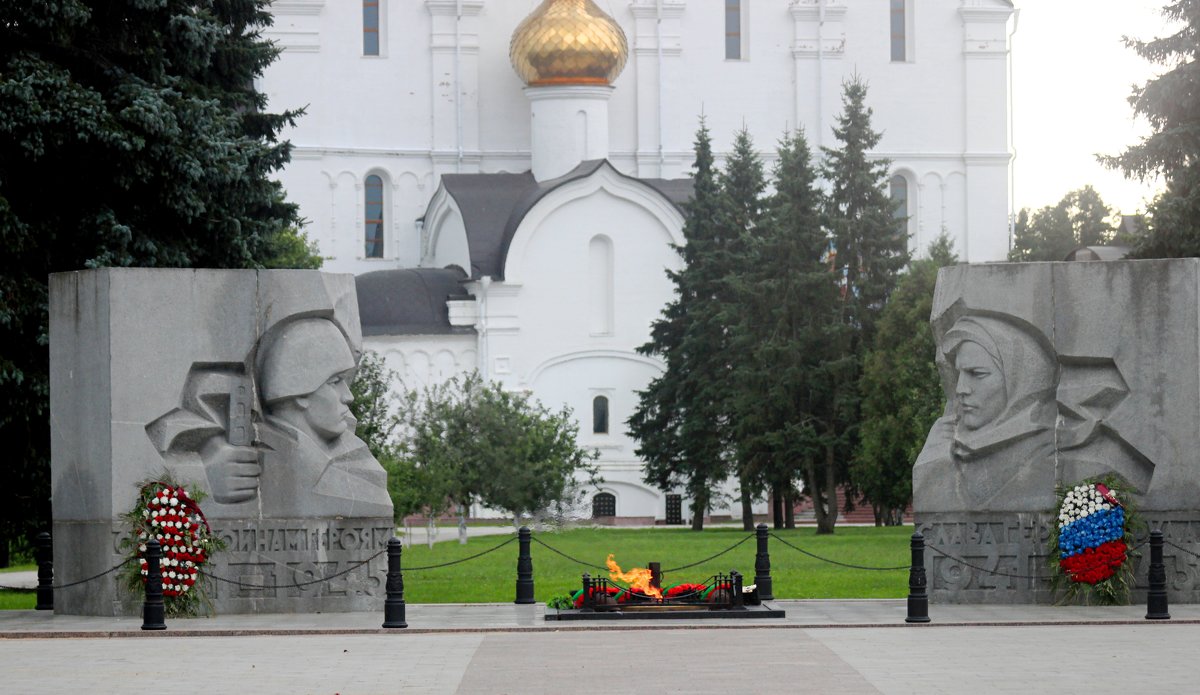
(821, 646)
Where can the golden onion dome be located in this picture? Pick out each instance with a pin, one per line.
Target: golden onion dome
(567, 42)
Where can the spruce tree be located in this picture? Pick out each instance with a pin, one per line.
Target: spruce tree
(131, 134)
(742, 184)
(677, 426)
(869, 250)
(788, 339)
(1170, 102)
(870, 246)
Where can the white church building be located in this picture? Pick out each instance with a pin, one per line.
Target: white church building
(507, 177)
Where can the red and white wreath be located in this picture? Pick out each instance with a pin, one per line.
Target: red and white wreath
(175, 520)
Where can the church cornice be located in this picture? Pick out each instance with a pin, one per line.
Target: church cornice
(297, 7)
(450, 8)
(648, 9)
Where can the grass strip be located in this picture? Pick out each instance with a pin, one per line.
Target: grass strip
(492, 578)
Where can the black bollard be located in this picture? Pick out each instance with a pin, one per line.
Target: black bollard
(762, 566)
(524, 567)
(393, 607)
(44, 554)
(1156, 597)
(153, 609)
(918, 600)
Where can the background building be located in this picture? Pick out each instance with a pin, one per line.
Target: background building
(528, 217)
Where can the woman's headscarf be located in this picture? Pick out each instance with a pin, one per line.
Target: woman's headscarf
(1030, 377)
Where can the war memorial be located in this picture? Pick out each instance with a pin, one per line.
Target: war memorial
(1057, 373)
(234, 381)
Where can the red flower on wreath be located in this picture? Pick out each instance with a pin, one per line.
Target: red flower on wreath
(1095, 564)
(175, 520)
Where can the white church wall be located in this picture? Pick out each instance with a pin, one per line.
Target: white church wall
(402, 111)
(425, 360)
(442, 97)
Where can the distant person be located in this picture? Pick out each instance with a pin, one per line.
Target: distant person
(993, 449)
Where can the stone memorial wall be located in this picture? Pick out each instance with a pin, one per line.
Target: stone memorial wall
(234, 382)
(1054, 373)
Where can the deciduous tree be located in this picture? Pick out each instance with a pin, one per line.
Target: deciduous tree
(901, 390)
(474, 441)
(1080, 219)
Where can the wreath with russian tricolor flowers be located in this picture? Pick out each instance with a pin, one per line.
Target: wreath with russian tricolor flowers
(1090, 543)
(165, 511)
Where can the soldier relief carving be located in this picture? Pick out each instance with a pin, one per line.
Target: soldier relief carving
(277, 440)
(1019, 419)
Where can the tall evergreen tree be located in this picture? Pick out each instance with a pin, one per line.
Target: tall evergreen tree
(901, 390)
(739, 220)
(869, 250)
(130, 134)
(870, 246)
(787, 337)
(1170, 102)
(678, 426)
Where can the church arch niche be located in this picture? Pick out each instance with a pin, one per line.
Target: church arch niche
(600, 285)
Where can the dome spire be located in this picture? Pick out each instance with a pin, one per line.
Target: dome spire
(568, 42)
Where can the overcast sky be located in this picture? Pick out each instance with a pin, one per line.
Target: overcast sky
(1071, 81)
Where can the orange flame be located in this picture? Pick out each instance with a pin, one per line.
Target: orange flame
(637, 578)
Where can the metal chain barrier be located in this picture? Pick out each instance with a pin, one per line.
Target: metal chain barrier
(539, 541)
(298, 585)
(842, 564)
(998, 573)
(1180, 548)
(666, 571)
(711, 557)
(461, 560)
(56, 587)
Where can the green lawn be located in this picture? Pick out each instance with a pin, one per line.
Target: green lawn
(493, 577)
(17, 600)
(28, 567)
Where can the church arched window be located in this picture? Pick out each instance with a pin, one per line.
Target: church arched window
(901, 23)
(600, 415)
(373, 218)
(370, 29)
(733, 29)
(900, 190)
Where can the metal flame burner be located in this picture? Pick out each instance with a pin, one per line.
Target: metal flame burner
(720, 596)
